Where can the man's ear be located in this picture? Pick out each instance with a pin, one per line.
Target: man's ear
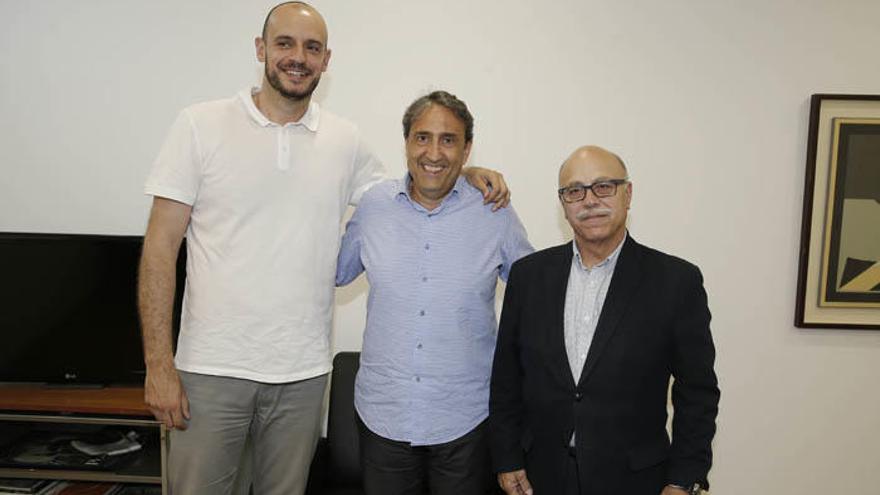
(260, 47)
(326, 60)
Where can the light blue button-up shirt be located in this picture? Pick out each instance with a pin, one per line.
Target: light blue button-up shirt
(430, 333)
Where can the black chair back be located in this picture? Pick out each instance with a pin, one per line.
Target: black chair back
(342, 430)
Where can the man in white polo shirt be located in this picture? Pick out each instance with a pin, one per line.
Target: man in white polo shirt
(259, 184)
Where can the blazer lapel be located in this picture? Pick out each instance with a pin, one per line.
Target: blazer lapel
(624, 282)
(557, 286)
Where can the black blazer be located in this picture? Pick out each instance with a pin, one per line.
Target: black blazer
(654, 324)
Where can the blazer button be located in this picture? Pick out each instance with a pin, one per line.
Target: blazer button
(578, 396)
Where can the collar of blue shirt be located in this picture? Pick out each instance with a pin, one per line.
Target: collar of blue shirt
(400, 191)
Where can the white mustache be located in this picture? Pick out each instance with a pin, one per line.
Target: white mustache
(593, 212)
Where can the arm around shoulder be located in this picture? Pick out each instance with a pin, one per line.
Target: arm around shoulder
(366, 173)
(491, 184)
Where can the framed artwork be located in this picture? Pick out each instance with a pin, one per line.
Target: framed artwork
(839, 269)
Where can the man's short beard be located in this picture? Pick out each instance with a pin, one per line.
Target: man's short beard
(275, 82)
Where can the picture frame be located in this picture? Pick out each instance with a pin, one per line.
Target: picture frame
(839, 260)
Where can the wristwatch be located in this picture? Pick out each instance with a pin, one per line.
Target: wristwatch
(695, 489)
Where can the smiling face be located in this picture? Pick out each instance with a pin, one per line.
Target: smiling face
(596, 221)
(436, 150)
(294, 50)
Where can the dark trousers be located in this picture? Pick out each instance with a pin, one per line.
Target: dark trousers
(459, 467)
(572, 482)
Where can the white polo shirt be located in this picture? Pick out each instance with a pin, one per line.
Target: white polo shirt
(264, 234)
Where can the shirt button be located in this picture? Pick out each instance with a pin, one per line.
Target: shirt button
(422, 313)
(424, 279)
(419, 346)
(578, 396)
(418, 379)
(427, 247)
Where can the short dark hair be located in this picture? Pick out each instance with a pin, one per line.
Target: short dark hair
(446, 100)
(272, 10)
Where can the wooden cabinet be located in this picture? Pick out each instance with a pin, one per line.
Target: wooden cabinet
(25, 408)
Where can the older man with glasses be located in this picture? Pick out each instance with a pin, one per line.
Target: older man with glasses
(591, 333)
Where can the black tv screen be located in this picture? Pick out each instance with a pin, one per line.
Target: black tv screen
(68, 311)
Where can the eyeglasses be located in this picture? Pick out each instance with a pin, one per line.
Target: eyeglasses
(601, 189)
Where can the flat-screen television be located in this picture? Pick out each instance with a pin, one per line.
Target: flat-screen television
(68, 309)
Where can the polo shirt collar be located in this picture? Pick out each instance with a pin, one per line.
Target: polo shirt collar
(309, 120)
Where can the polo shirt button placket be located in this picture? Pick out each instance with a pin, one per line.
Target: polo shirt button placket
(284, 148)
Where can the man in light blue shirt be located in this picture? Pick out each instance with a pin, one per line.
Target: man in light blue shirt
(433, 252)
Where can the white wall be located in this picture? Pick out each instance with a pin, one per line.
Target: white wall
(706, 100)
